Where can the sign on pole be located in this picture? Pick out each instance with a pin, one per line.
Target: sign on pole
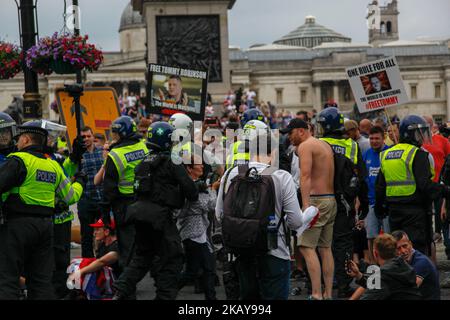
(377, 85)
(174, 90)
(99, 108)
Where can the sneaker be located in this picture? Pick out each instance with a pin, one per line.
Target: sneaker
(74, 245)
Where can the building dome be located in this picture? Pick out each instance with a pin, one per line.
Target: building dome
(311, 34)
(130, 19)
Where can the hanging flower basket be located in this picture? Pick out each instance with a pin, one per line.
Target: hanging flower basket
(10, 60)
(62, 67)
(63, 54)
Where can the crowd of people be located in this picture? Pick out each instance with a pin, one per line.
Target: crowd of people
(328, 201)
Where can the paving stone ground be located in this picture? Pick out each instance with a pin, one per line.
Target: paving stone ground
(146, 290)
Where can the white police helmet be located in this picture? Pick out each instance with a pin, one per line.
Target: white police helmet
(254, 128)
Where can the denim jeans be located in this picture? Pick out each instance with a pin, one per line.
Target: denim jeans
(265, 277)
(374, 225)
(199, 258)
(88, 213)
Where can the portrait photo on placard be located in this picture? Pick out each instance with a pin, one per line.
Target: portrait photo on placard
(375, 82)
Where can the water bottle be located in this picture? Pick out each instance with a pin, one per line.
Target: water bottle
(272, 234)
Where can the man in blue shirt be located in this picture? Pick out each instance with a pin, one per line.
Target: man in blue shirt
(90, 163)
(427, 276)
(372, 160)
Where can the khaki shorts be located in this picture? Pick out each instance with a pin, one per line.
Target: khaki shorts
(321, 234)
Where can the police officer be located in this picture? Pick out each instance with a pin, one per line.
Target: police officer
(331, 127)
(404, 186)
(184, 127)
(63, 216)
(237, 152)
(28, 183)
(7, 132)
(184, 133)
(125, 154)
(161, 186)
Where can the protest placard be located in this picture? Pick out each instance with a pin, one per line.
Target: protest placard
(173, 90)
(377, 85)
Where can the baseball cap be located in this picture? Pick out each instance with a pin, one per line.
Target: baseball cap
(101, 224)
(294, 124)
(350, 124)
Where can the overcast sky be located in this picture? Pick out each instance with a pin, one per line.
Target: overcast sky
(250, 21)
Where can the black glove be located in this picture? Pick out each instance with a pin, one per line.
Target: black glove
(78, 149)
(60, 207)
(81, 178)
(381, 212)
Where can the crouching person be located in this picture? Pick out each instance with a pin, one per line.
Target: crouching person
(92, 278)
(397, 279)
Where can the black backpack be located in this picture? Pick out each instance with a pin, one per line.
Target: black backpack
(248, 203)
(346, 181)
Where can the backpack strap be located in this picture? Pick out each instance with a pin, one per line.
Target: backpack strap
(225, 183)
(243, 169)
(268, 171)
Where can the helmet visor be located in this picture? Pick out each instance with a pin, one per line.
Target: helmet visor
(55, 130)
(421, 134)
(319, 132)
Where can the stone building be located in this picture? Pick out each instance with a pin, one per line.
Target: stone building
(303, 70)
(310, 35)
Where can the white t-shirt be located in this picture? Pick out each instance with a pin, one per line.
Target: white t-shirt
(131, 101)
(251, 95)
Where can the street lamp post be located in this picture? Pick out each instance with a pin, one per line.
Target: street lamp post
(78, 92)
(32, 104)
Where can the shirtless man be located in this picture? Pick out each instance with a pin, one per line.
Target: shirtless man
(317, 177)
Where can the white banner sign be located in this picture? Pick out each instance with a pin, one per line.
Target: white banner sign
(377, 85)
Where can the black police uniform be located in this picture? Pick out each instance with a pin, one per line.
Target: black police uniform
(118, 203)
(62, 233)
(26, 237)
(344, 225)
(410, 213)
(161, 186)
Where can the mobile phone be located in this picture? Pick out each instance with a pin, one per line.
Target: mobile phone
(347, 262)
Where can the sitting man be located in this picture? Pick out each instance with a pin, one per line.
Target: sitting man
(427, 276)
(86, 274)
(397, 278)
